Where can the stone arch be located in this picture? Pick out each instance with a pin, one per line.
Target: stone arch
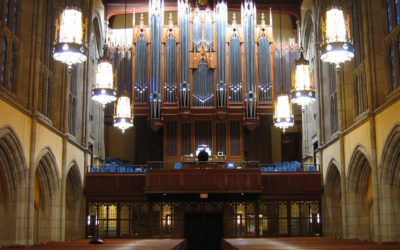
(46, 165)
(388, 172)
(308, 27)
(333, 201)
(73, 203)
(13, 188)
(358, 170)
(389, 186)
(97, 31)
(47, 216)
(359, 194)
(318, 12)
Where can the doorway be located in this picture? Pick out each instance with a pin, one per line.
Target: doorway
(204, 231)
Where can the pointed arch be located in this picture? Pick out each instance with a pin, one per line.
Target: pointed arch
(359, 169)
(308, 27)
(332, 178)
(13, 187)
(73, 202)
(97, 30)
(74, 176)
(333, 201)
(359, 195)
(389, 185)
(47, 214)
(46, 166)
(12, 159)
(389, 173)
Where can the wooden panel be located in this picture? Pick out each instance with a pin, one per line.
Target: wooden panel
(292, 183)
(214, 133)
(234, 136)
(186, 135)
(114, 184)
(291, 145)
(148, 144)
(220, 138)
(203, 133)
(172, 137)
(121, 186)
(200, 180)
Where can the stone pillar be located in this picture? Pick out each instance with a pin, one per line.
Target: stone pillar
(64, 155)
(341, 118)
(34, 72)
(369, 63)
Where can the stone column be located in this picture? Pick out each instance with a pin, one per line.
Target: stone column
(370, 74)
(34, 72)
(341, 118)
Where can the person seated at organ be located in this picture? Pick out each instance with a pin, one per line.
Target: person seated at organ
(203, 156)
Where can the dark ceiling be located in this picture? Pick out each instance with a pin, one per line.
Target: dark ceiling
(276, 5)
(291, 7)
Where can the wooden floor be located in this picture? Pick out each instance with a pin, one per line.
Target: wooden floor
(303, 243)
(114, 244)
(298, 243)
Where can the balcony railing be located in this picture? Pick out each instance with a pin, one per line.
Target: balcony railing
(293, 166)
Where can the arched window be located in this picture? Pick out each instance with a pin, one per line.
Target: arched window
(3, 56)
(72, 101)
(8, 43)
(392, 61)
(389, 14)
(358, 33)
(398, 46)
(9, 14)
(360, 86)
(46, 59)
(333, 98)
(393, 42)
(393, 13)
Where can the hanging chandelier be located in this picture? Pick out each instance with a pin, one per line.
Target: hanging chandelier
(69, 48)
(103, 90)
(123, 113)
(303, 92)
(283, 117)
(336, 43)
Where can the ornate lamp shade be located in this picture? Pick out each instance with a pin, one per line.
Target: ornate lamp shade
(123, 118)
(336, 46)
(283, 117)
(303, 92)
(103, 90)
(69, 48)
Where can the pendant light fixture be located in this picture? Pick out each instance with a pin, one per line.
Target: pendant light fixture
(123, 118)
(70, 48)
(303, 91)
(283, 116)
(104, 90)
(336, 46)
(123, 113)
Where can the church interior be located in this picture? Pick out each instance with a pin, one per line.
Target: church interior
(199, 120)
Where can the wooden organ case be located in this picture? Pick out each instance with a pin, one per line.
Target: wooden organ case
(201, 77)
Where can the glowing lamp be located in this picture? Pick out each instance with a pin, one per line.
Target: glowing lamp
(283, 117)
(123, 118)
(69, 48)
(336, 43)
